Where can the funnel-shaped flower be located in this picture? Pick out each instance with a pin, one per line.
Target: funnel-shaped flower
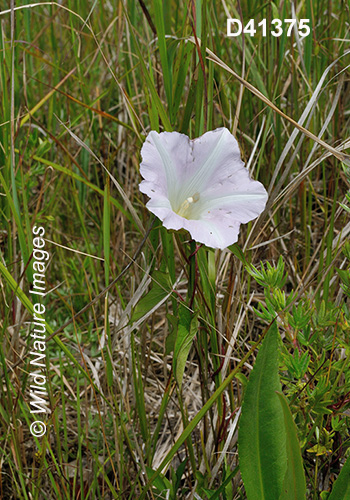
(200, 185)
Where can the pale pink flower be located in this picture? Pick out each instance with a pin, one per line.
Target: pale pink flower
(200, 185)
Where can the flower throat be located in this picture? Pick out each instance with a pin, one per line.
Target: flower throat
(185, 208)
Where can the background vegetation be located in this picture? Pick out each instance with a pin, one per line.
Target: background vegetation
(81, 84)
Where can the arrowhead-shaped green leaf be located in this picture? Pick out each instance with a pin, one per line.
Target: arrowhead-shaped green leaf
(160, 289)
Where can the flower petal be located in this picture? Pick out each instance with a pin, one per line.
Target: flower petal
(160, 208)
(200, 185)
(214, 233)
(216, 156)
(165, 158)
(242, 202)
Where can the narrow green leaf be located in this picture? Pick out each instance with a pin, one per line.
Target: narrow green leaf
(206, 266)
(191, 97)
(160, 289)
(159, 18)
(262, 436)
(294, 487)
(17, 216)
(109, 356)
(341, 487)
(106, 230)
(139, 392)
(160, 108)
(237, 251)
(181, 64)
(187, 329)
(309, 40)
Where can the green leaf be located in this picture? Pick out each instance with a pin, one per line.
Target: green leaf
(13, 203)
(149, 80)
(262, 435)
(206, 266)
(186, 330)
(160, 289)
(177, 476)
(163, 52)
(107, 230)
(341, 487)
(171, 338)
(161, 483)
(237, 251)
(182, 61)
(294, 487)
(139, 392)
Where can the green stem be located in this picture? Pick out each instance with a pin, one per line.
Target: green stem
(192, 274)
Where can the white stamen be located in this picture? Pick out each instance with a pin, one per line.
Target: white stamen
(184, 208)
